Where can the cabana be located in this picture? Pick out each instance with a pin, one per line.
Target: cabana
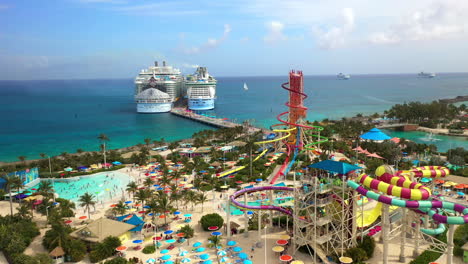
(335, 166)
(375, 134)
(101, 228)
(57, 255)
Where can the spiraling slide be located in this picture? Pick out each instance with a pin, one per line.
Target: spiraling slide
(260, 207)
(427, 171)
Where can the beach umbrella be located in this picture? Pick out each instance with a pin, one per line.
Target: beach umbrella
(121, 248)
(197, 244)
(258, 180)
(157, 238)
(177, 213)
(281, 242)
(200, 249)
(165, 251)
(286, 258)
(247, 261)
(208, 262)
(223, 259)
(460, 193)
(345, 260)
(204, 256)
(237, 249)
(170, 241)
(151, 260)
(231, 243)
(212, 228)
(128, 202)
(169, 262)
(187, 215)
(216, 233)
(243, 255)
(285, 237)
(83, 217)
(68, 222)
(168, 232)
(166, 257)
(278, 249)
(183, 253)
(221, 253)
(425, 180)
(138, 241)
(185, 260)
(297, 262)
(180, 234)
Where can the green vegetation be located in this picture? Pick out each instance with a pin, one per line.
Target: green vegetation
(36, 259)
(211, 220)
(425, 114)
(150, 249)
(105, 249)
(16, 233)
(430, 256)
(187, 230)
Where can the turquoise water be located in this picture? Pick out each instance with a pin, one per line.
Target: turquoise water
(61, 116)
(443, 143)
(104, 186)
(237, 211)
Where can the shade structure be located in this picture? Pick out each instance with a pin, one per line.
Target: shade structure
(345, 260)
(157, 238)
(183, 253)
(281, 242)
(121, 248)
(185, 260)
(375, 134)
(222, 253)
(170, 241)
(204, 256)
(187, 215)
(461, 193)
(82, 217)
(374, 155)
(128, 202)
(216, 233)
(285, 258)
(166, 257)
(151, 260)
(200, 249)
(180, 234)
(208, 262)
(278, 249)
(212, 228)
(164, 251)
(247, 261)
(197, 244)
(169, 262)
(243, 255)
(237, 249)
(224, 259)
(231, 243)
(334, 166)
(68, 221)
(177, 213)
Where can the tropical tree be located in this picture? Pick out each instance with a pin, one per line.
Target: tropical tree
(120, 208)
(143, 195)
(24, 211)
(215, 241)
(148, 182)
(164, 203)
(87, 200)
(22, 158)
(10, 182)
(175, 195)
(250, 146)
(190, 197)
(172, 146)
(147, 141)
(46, 189)
(103, 138)
(132, 187)
(202, 198)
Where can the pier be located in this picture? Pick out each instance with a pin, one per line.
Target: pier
(211, 121)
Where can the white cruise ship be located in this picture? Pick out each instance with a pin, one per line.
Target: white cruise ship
(157, 87)
(201, 90)
(342, 76)
(426, 74)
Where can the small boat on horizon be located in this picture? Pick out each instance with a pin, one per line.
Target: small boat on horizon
(246, 87)
(426, 75)
(342, 76)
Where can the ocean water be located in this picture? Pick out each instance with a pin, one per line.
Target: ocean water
(61, 116)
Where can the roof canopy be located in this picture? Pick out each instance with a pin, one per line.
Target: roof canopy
(375, 134)
(335, 166)
(100, 229)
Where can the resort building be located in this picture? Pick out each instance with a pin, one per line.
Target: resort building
(101, 228)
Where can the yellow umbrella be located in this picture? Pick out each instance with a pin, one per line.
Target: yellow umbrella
(224, 187)
(346, 260)
(297, 262)
(189, 186)
(278, 249)
(30, 198)
(133, 210)
(285, 237)
(446, 185)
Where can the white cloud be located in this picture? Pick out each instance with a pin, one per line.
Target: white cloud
(190, 66)
(275, 32)
(443, 19)
(210, 44)
(335, 36)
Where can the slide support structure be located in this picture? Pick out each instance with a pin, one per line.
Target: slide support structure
(402, 258)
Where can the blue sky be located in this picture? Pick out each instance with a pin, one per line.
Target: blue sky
(79, 39)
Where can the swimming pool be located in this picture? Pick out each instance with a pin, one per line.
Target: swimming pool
(278, 201)
(104, 186)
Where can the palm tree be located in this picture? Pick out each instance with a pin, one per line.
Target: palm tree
(190, 197)
(215, 241)
(22, 158)
(24, 211)
(147, 141)
(143, 195)
(250, 145)
(120, 208)
(43, 155)
(10, 182)
(103, 138)
(202, 198)
(132, 187)
(86, 200)
(172, 146)
(46, 188)
(148, 182)
(175, 195)
(164, 204)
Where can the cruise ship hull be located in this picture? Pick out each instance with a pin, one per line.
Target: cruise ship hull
(150, 108)
(201, 104)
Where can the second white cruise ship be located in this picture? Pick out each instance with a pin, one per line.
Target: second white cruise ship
(201, 90)
(157, 87)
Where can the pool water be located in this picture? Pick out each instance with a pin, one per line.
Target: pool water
(104, 186)
(237, 211)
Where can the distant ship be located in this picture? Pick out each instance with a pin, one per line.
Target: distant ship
(342, 76)
(246, 87)
(426, 74)
(157, 87)
(201, 90)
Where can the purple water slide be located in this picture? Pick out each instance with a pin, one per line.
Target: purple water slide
(261, 207)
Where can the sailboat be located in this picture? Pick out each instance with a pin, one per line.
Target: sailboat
(245, 87)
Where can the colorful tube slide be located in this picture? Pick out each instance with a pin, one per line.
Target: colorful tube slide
(261, 207)
(398, 186)
(420, 205)
(427, 171)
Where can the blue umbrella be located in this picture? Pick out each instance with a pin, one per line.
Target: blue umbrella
(146, 207)
(164, 251)
(208, 261)
(197, 244)
(185, 260)
(335, 166)
(216, 233)
(187, 215)
(117, 163)
(247, 261)
(223, 259)
(168, 232)
(166, 257)
(151, 260)
(258, 180)
(426, 180)
(138, 241)
(204, 256)
(460, 193)
(375, 134)
(200, 249)
(160, 189)
(169, 262)
(170, 241)
(231, 243)
(150, 214)
(222, 253)
(249, 212)
(177, 213)
(237, 249)
(243, 255)
(183, 253)
(202, 171)
(156, 185)
(128, 202)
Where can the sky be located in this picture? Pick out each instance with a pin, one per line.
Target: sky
(89, 39)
